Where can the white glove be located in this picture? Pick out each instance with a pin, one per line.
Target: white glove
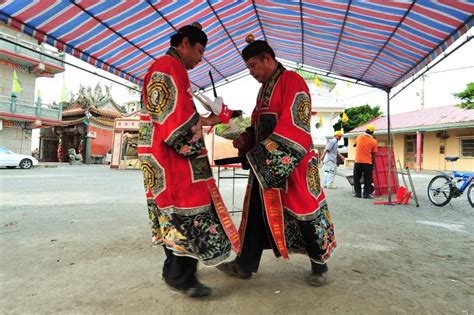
(216, 106)
(206, 100)
(212, 106)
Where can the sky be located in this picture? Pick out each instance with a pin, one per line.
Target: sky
(449, 76)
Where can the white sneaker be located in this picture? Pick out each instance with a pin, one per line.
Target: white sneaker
(331, 186)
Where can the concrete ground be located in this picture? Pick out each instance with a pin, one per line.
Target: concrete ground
(75, 239)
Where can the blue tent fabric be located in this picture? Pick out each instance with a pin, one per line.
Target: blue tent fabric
(381, 43)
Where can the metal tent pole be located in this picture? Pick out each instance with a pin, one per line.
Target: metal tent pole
(389, 144)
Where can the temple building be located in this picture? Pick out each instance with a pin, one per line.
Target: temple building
(22, 60)
(86, 127)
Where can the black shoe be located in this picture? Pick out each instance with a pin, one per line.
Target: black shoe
(317, 279)
(357, 196)
(234, 270)
(368, 197)
(196, 291)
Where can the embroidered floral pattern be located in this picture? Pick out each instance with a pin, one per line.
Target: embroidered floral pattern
(153, 214)
(324, 232)
(200, 236)
(185, 149)
(273, 162)
(201, 169)
(314, 237)
(271, 146)
(180, 138)
(294, 239)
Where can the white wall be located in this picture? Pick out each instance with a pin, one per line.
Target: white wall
(16, 139)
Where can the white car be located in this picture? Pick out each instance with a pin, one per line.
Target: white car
(10, 159)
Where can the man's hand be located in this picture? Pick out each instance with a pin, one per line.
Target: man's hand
(240, 142)
(210, 120)
(197, 132)
(218, 107)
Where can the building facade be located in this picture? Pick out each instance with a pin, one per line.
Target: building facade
(22, 56)
(422, 139)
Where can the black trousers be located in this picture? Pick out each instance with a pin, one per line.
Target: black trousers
(179, 271)
(363, 169)
(258, 237)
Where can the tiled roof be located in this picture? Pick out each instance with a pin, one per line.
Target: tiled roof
(421, 120)
(106, 112)
(73, 111)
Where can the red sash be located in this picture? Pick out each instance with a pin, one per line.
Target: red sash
(245, 214)
(274, 211)
(229, 227)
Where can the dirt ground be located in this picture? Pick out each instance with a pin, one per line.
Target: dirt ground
(75, 239)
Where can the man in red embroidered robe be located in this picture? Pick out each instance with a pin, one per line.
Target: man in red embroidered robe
(285, 208)
(176, 170)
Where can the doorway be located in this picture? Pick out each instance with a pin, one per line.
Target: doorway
(410, 151)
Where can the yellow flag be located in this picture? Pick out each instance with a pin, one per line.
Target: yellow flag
(64, 94)
(317, 82)
(344, 118)
(16, 86)
(320, 121)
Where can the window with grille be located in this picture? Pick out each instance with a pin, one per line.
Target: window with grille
(467, 147)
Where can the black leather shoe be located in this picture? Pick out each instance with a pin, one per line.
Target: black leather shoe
(197, 291)
(368, 197)
(317, 279)
(233, 269)
(357, 196)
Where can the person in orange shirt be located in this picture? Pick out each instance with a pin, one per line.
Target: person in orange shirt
(366, 147)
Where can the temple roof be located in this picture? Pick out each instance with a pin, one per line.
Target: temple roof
(91, 105)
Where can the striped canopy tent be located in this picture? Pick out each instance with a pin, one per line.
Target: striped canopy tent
(378, 43)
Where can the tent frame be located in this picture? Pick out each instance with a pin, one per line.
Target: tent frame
(240, 75)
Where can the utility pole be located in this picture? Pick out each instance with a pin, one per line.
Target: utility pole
(422, 94)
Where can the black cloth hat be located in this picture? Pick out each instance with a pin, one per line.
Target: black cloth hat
(256, 47)
(195, 32)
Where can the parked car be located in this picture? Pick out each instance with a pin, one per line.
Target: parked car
(10, 159)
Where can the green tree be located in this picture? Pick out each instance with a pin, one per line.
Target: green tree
(358, 115)
(466, 96)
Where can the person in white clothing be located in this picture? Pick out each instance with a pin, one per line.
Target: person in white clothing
(329, 158)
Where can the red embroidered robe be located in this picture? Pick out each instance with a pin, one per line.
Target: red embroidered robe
(174, 171)
(281, 157)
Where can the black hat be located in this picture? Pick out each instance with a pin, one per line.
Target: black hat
(256, 47)
(195, 32)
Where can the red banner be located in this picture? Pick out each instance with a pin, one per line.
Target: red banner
(274, 211)
(245, 214)
(224, 217)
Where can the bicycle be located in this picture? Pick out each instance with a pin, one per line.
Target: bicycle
(443, 187)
